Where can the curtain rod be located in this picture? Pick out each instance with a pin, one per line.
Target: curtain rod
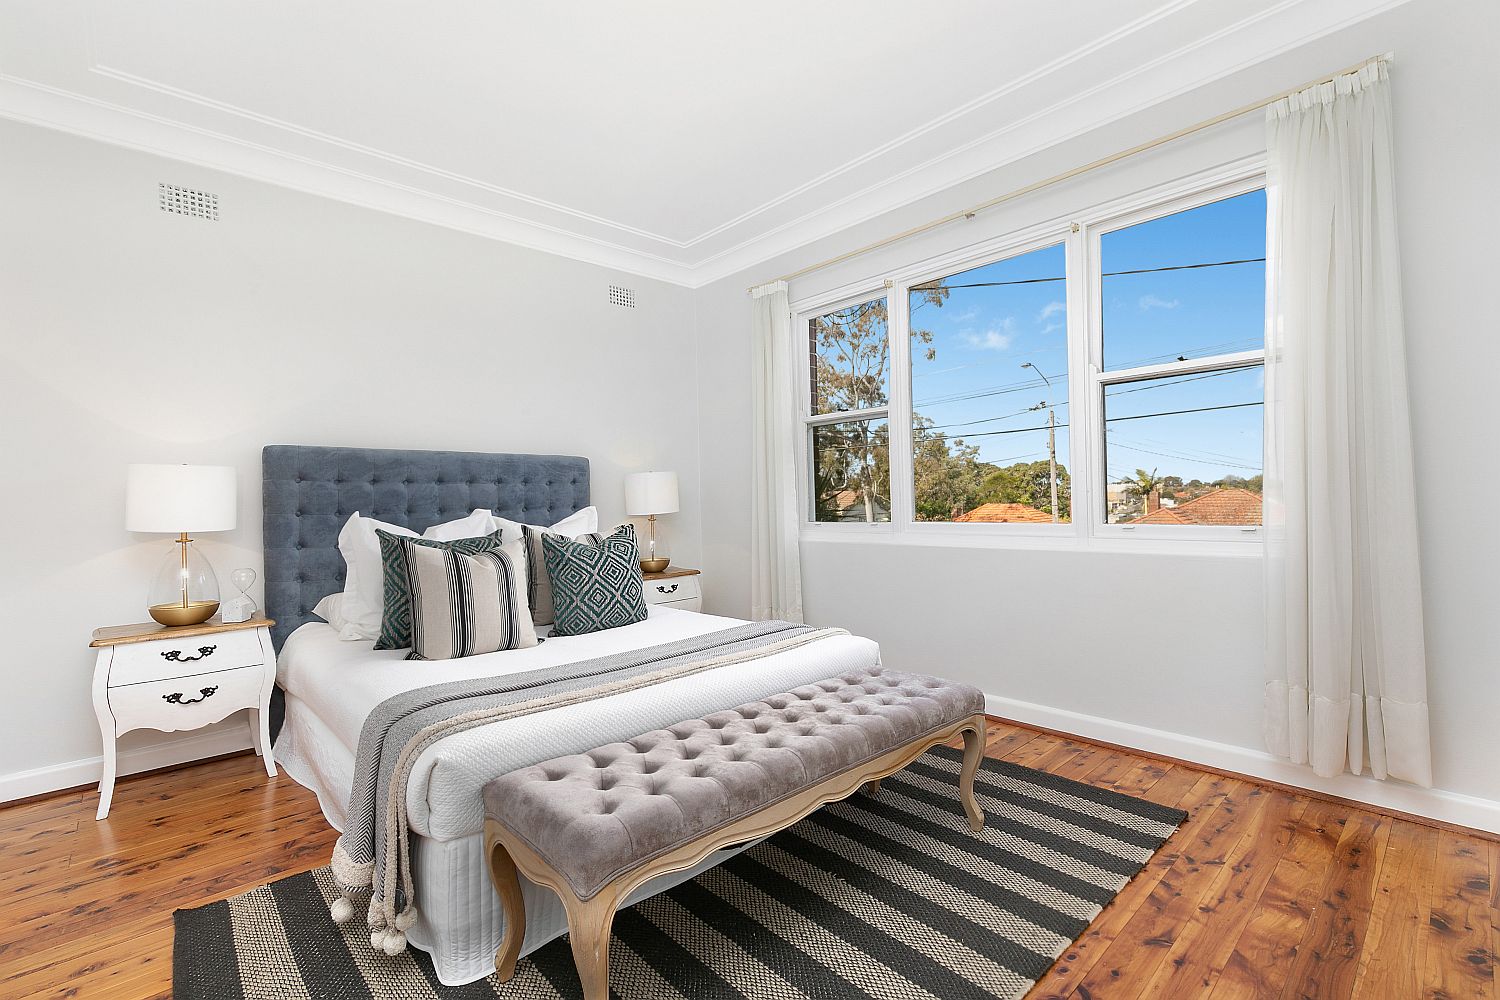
(968, 213)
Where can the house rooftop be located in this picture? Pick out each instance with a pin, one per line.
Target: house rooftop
(1229, 505)
(1005, 513)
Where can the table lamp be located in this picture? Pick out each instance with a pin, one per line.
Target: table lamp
(651, 493)
(178, 499)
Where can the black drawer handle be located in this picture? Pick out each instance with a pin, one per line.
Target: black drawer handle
(666, 590)
(175, 655)
(175, 698)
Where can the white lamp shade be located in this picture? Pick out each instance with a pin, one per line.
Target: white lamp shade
(651, 493)
(178, 498)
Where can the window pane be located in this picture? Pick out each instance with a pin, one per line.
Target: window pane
(989, 375)
(1185, 449)
(850, 358)
(851, 466)
(1188, 285)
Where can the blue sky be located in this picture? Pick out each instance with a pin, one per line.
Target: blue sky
(976, 386)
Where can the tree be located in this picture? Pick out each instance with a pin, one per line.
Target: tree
(946, 473)
(852, 360)
(1142, 486)
(1028, 483)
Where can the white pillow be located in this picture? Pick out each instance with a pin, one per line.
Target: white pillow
(330, 609)
(364, 579)
(478, 524)
(584, 522)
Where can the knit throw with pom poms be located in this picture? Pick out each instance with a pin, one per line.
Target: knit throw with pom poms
(372, 856)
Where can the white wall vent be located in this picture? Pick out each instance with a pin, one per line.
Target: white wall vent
(619, 295)
(187, 201)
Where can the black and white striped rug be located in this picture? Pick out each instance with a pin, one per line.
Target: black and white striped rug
(886, 895)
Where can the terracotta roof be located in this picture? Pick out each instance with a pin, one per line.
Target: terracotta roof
(1003, 513)
(1230, 505)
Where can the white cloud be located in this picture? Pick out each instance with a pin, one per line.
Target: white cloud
(1050, 309)
(1051, 328)
(993, 340)
(996, 338)
(1152, 302)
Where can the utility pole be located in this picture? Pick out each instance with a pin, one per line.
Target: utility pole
(1051, 438)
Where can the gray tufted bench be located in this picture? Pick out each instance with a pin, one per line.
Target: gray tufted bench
(593, 827)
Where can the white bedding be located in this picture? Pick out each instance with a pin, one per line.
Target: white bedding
(332, 684)
(338, 683)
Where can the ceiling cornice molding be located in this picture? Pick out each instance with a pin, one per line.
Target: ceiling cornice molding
(986, 153)
(37, 104)
(1262, 36)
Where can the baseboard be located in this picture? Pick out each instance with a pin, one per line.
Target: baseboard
(74, 773)
(1394, 796)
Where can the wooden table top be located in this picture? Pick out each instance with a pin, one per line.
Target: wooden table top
(116, 635)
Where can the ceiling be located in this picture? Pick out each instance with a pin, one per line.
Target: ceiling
(676, 139)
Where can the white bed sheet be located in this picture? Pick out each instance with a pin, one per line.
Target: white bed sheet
(340, 682)
(332, 684)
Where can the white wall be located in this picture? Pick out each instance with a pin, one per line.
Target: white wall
(1162, 651)
(131, 335)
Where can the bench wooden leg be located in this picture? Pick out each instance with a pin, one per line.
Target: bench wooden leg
(871, 787)
(503, 875)
(589, 924)
(973, 754)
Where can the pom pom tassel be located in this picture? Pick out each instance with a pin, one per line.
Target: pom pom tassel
(394, 944)
(342, 910)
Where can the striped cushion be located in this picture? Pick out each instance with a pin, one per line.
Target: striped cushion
(595, 587)
(464, 605)
(395, 622)
(538, 581)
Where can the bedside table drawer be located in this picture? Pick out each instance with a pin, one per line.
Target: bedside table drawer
(674, 590)
(185, 702)
(162, 659)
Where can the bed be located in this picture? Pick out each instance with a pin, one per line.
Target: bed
(331, 685)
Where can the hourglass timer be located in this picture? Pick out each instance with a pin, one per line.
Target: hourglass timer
(241, 607)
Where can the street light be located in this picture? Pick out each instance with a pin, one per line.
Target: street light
(1051, 438)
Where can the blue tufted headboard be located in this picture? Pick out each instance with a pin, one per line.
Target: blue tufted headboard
(309, 492)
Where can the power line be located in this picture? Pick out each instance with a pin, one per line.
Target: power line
(938, 286)
(1112, 420)
(1188, 458)
(1160, 383)
(1173, 413)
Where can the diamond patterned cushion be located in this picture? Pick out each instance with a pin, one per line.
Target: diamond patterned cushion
(538, 583)
(595, 587)
(395, 623)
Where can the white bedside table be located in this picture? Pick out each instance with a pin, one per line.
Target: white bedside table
(675, 587)
(153, 677)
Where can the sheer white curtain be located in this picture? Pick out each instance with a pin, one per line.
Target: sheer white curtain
(1347, 682)
(775, 561)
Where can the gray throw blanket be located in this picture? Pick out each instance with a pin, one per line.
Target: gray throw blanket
(372, 854)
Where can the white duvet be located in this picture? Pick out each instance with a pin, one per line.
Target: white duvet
(332, 684)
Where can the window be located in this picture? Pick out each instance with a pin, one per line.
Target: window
(849, 435)
(1099, 378)
(989, 392)
(1182, 323)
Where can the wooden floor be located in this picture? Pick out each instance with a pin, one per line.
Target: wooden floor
(1261, 893)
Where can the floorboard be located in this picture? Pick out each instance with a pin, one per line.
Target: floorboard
(1261, 893)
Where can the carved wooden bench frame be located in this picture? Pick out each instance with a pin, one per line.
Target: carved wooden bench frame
(590, 920)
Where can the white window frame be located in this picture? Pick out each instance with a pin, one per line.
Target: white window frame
(1097, 380)
(1080, 233)
(800, 331)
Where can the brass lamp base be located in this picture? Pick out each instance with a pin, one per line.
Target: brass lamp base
(176, 615)
(654, 565)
